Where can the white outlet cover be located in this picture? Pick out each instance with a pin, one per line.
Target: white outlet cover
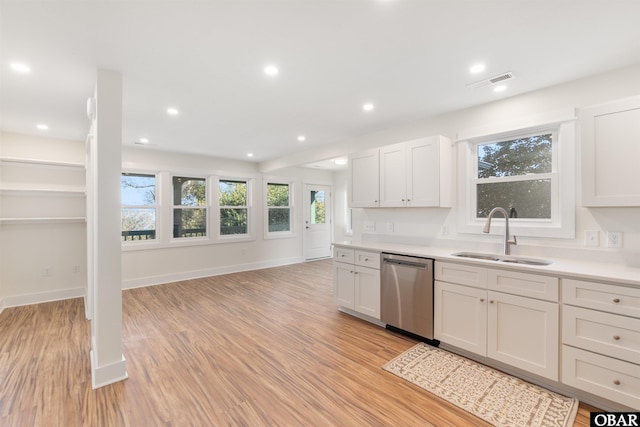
(614, 239)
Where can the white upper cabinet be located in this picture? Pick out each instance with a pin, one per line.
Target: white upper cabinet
(393, 180)
(364, 179)
(417, 173)
(429, 171)
(610, 153)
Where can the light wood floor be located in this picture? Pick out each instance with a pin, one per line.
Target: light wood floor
(262, 348)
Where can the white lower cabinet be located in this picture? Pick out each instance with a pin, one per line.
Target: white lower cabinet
(357, 281)
(514, 329)
(601, 340)
(460, 316)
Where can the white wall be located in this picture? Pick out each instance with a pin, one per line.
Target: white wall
(425, 225)
(145, 267)
(29, 248)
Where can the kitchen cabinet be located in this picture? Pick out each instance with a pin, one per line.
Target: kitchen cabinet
(601, 340)
(610, 150)
(508, 316)
(357, 281)
(417, 173)
(364, 181)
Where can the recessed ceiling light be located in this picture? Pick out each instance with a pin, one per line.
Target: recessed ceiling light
(500, 88)
(172, 111)
(42, 126)
(477, 68)
(144, 140)
(340, 161)
(302, 138)
(249, 154)
(367, 107)
(271, 70)
(20, 68)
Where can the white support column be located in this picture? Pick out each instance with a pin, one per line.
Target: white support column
(107, 360)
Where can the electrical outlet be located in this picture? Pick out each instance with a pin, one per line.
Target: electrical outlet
(444, 230)
(591, 238)
(614, 239)
(389, 227)
(369, 226)
(47, 271)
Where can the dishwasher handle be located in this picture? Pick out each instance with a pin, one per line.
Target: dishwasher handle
(404, 263)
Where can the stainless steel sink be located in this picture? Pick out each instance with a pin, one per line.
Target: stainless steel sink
(502, 258)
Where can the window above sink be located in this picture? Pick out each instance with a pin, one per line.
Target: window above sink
(528, 168)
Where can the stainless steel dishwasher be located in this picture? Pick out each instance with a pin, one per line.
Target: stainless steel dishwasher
(406, 294)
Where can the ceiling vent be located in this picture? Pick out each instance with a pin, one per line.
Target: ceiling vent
(492, 80)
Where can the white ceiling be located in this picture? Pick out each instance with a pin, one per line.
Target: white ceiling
(411, 58)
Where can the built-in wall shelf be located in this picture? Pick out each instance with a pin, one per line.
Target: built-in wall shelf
(39, 192)
(58, 220)
(39, 162)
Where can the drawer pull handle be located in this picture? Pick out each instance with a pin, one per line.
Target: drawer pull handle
(490, 301)
(481, 299)
(342, 255)
(616, 382)
(366, 259)
(616, 300)
(616, 337)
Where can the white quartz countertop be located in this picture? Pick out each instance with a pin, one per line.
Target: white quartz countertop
(559, 267)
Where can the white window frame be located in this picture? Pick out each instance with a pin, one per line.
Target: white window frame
(206, 208)
(562, 222)
(292, 225)
(156, 206)
(249, 206)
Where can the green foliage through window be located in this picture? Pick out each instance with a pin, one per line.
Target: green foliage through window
(233, 207)
(278, 205)
(190, 207)
(513, 174)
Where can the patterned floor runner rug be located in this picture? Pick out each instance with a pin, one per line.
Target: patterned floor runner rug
(497, 398)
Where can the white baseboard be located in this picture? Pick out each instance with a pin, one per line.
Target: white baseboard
(197, 274)
(40, 297)
(107, 374)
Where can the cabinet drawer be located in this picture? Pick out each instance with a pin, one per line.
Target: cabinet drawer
(605, 333)
(461, 274)
(523, 284)
(368, 259)
(602, 376)
(612, 298)
(343, 255)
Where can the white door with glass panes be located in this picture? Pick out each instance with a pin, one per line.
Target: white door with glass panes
(316, 224)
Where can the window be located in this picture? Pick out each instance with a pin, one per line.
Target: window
(189, 207)
(278, 207)
(234, 210)
(517, 175)
(526, 167)
(138, 199)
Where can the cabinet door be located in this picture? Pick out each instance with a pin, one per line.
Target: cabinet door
(393, 187)
(610, 152)
(523, 332)
(423, 172)
(460, 316)
(344, 284)
(364, 179)
(367, 291)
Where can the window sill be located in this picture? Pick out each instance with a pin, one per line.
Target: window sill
(183, 242)
(279, 235)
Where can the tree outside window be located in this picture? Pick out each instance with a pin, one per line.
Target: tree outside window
(517, 175)
(278, 207)
(233, 207)
(138, 199)
(189, 207)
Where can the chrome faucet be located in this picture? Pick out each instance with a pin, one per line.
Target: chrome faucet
(487, 228)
